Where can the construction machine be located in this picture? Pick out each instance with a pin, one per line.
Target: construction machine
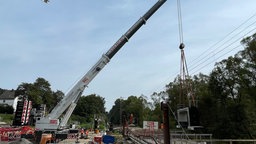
(55, 122)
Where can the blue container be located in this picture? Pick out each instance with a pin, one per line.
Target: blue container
(108, 139)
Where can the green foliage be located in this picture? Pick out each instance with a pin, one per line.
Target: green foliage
(199, 84)
(232, 89)
(133, 106)
(138, 106)
(6, 109)
(39, 92)
(77, 118)
(226, 98)
(1, 91)
(86, 125)
(6, 118)
(82, 120)
(102, 126)
(115, 113)
(88, 106)
(156, 113)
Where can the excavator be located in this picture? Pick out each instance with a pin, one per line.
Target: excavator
(53, 126)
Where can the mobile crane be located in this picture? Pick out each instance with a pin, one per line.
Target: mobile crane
(69, 101)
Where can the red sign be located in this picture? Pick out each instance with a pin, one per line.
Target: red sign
(97, 138)
(10, 134)
(53, 121)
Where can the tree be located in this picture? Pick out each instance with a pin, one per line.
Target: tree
(232, 86)
(57, 96)
(226, 98)
(138, 106)
(90, 105)
(39, 92)
(199, 90)
(115, 112)
(134, 105)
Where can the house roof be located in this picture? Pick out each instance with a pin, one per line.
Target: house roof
(7, 94)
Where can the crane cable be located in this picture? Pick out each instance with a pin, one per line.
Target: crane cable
(180, 21)
(203, 57)
(183, 64)
(181, 103)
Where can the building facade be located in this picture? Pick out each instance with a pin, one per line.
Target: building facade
(8, 98)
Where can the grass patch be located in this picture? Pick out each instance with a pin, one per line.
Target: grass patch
(80, 121)
(6, 118)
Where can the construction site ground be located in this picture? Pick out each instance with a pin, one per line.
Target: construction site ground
(91, 136)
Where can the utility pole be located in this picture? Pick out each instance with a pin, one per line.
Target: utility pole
(165, 109)
(120, 107)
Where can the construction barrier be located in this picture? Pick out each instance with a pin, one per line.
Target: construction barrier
(98, 139)
(8, 134)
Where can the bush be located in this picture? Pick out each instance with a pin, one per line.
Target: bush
(86, 125)
(6, 109)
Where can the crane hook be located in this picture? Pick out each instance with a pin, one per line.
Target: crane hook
(182, 46)
(46, 1)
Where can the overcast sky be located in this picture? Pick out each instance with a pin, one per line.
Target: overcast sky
(61, 40)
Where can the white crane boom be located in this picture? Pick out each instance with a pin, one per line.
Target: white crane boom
(51, 121)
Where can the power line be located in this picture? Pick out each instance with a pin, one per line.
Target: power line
(206, 57)
(207, 64)
(202, 61)
(221, 51)
(196, 63)
(202, 54)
